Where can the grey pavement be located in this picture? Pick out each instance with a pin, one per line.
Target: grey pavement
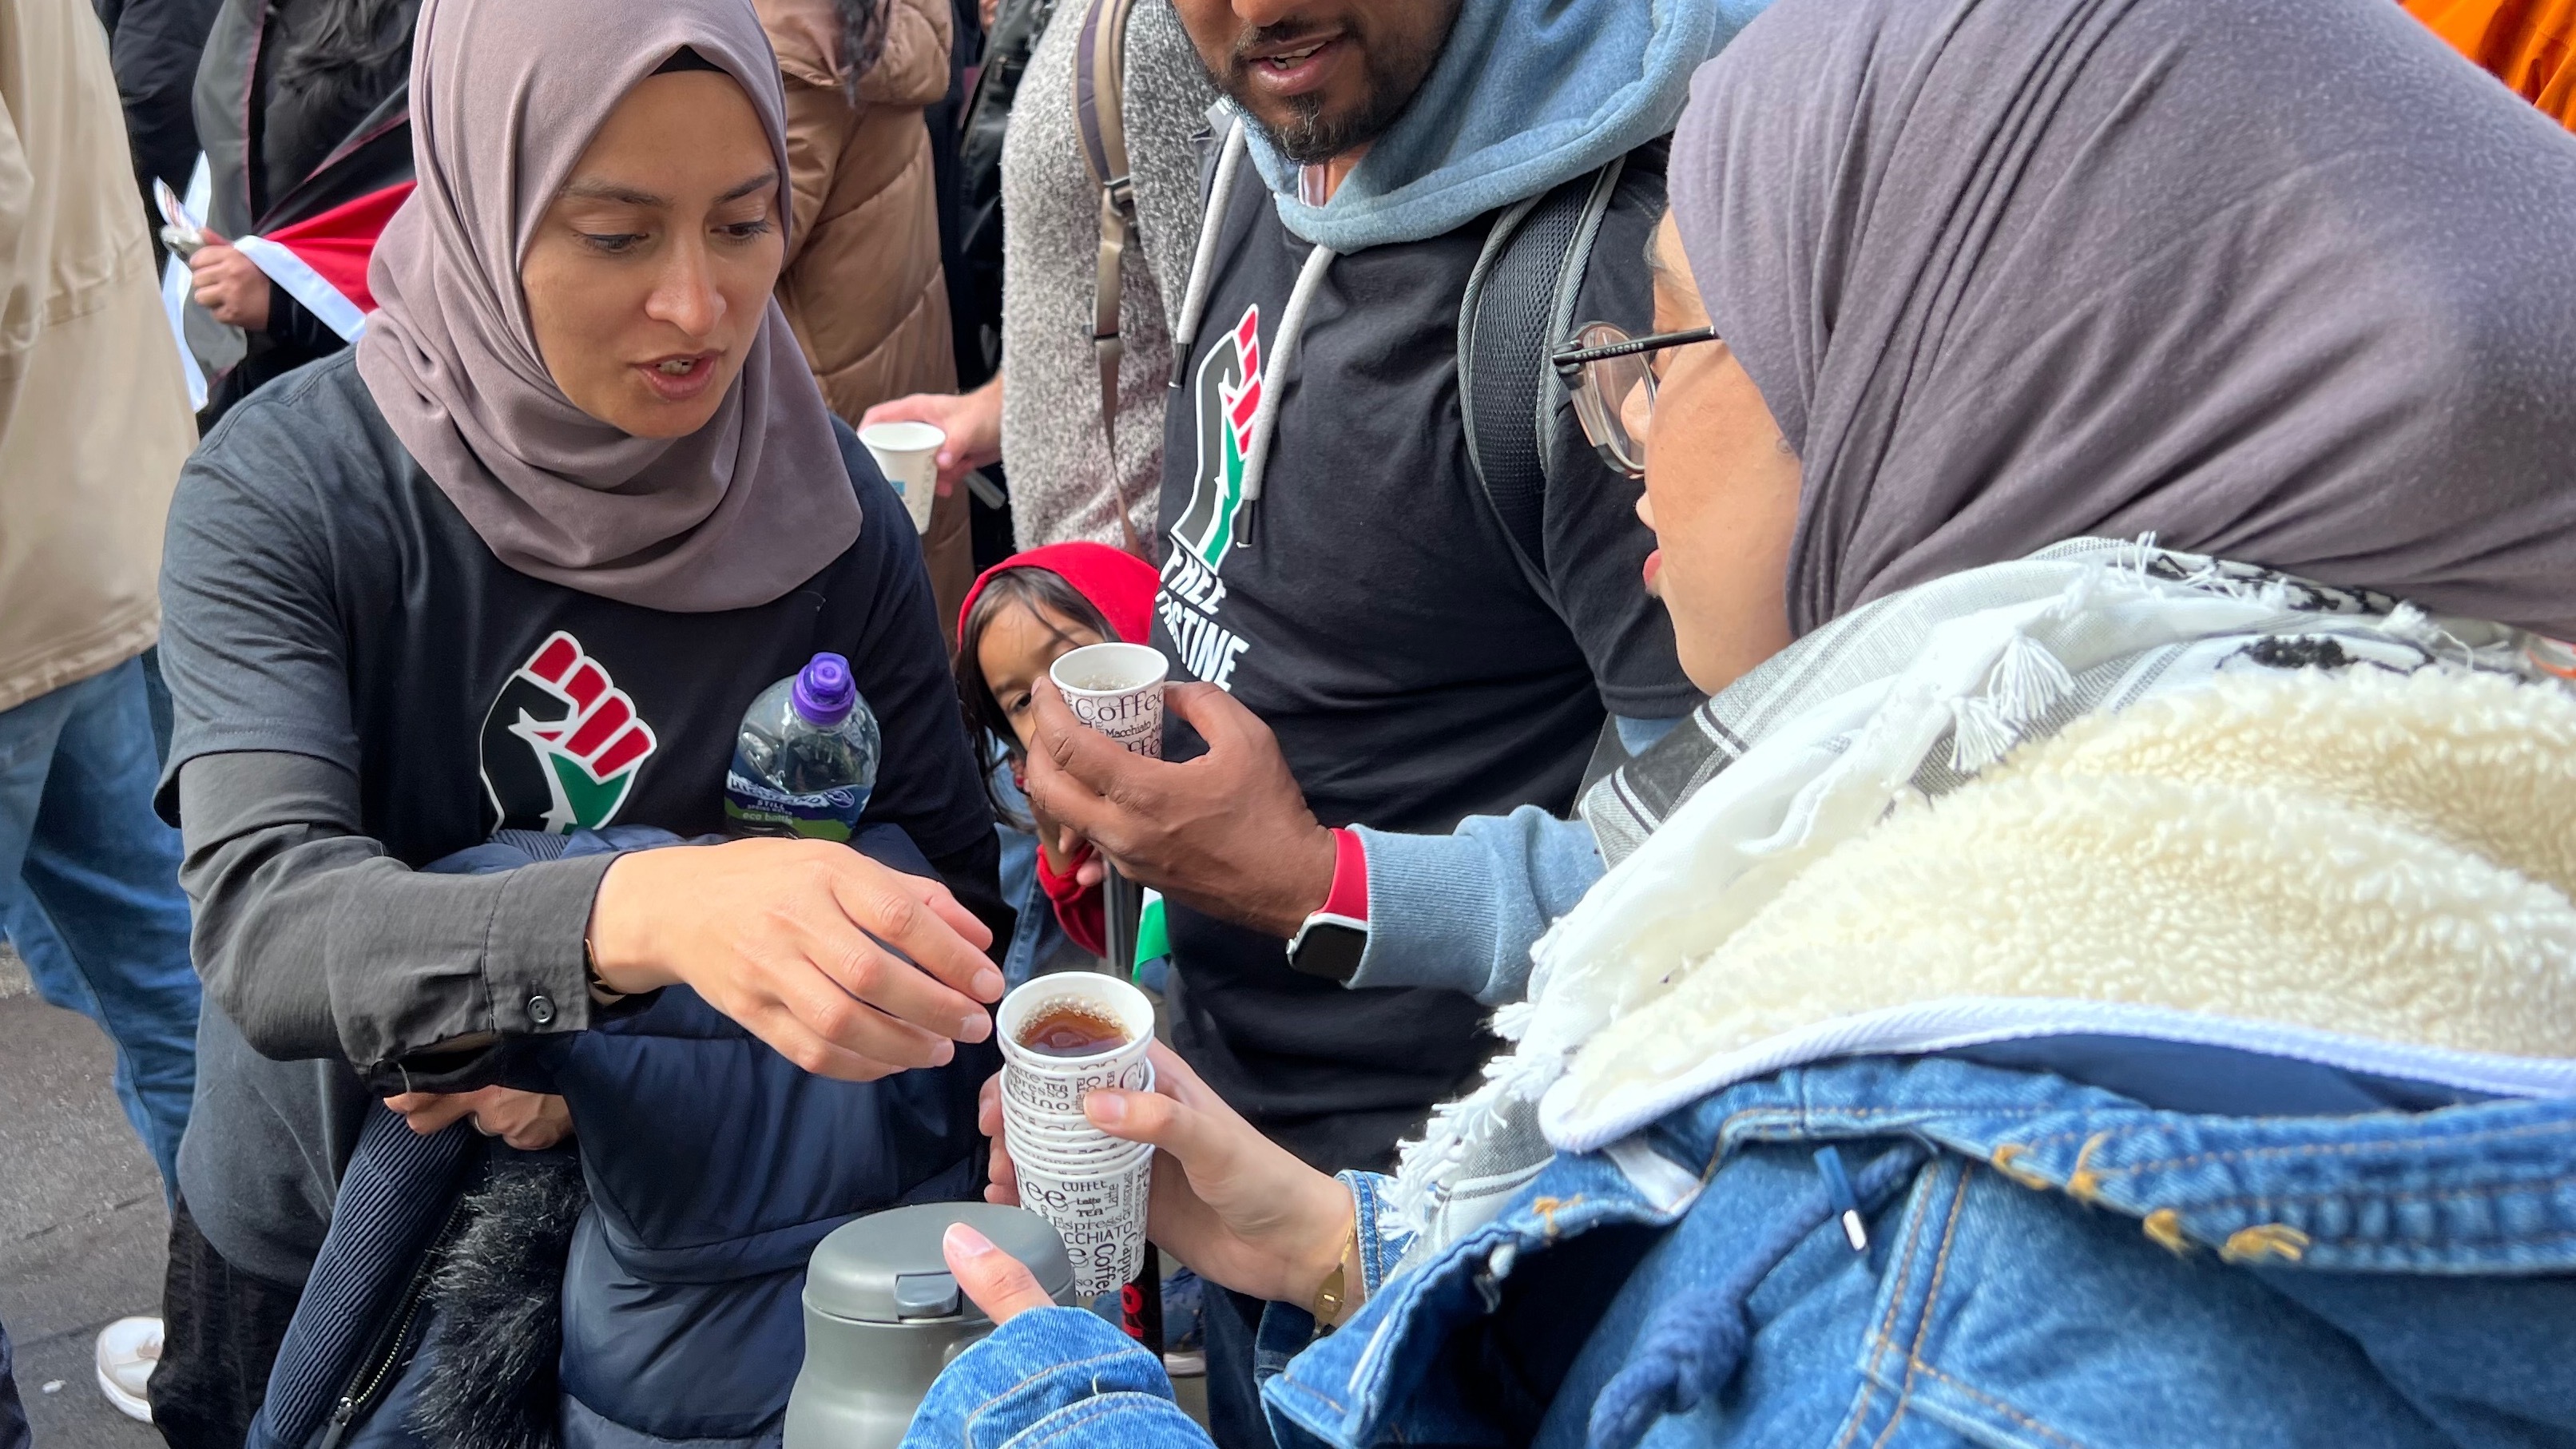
(82, 1226)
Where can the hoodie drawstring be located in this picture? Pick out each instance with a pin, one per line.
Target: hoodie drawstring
(1229, 163)
(1274, 378)
(1693, 1345)
(1283, 342)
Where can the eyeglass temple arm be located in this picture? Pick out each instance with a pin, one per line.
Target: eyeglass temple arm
(1571, 360)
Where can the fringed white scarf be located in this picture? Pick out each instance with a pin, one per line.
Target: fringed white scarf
(1981, 661)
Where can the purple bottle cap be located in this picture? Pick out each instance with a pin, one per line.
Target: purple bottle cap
(825, 694)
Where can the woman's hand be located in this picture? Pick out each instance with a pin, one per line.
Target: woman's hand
(1241, 1211)
(972, 421)
(798, 941)
(526, 1120)
(991, 1279)
(229, 286)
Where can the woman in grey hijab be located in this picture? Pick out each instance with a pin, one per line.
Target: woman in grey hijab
(517, 567)
(2071, 989)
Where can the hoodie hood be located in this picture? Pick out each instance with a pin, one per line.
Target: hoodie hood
(1526, 95)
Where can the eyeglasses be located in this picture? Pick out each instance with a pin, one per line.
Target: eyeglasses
(1603, 367)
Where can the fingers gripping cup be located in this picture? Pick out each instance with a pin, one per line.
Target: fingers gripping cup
(1064, 1037)
(908, 455)
(1116, 689)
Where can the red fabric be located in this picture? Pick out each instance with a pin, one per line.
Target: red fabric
(338, 243)
(1077, 906)
(1119, 584)
(1348, 896)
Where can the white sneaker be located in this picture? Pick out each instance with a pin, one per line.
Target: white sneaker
(128, 1351)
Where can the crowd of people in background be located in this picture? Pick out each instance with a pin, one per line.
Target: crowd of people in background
(1867, 734)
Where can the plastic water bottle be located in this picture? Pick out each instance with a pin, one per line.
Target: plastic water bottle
(805, 760)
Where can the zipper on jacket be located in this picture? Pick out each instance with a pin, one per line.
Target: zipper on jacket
(377, 1368)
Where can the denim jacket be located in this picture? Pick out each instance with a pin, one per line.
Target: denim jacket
(1923, 1251)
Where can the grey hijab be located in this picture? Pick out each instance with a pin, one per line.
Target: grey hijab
(506, 95)
(2287, 284)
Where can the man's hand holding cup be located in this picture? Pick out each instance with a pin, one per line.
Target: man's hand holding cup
(1227, 833)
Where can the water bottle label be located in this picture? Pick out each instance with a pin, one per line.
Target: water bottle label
(765, 810)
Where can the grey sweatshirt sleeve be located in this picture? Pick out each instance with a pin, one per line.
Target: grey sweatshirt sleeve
(1461, 911)
(317, 944)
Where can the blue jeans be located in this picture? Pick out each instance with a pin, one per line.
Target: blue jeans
(89, 889)
(13, 1414)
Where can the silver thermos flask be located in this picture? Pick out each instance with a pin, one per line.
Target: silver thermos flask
(883, 1317)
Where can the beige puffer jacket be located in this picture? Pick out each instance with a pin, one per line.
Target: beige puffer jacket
(94, 420)
(863, 287)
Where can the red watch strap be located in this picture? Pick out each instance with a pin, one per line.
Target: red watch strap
(1348, 897)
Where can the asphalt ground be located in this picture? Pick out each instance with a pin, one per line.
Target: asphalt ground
(82, 1225)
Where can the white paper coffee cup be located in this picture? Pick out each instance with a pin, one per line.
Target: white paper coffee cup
(1104, 1159)
(908, 455)
(1100, 1217)
(1116, 689)
(1058, 1084)
(1063, 1122)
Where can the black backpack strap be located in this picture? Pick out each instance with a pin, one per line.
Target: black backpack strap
(1519, 306)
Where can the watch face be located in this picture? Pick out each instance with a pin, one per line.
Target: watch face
(1329, 949)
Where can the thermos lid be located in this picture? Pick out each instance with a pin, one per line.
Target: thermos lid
(886, 1267)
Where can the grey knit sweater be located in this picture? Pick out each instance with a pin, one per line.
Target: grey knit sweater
(1063, 483)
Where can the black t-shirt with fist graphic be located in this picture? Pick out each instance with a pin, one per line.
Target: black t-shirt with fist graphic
(329, 601)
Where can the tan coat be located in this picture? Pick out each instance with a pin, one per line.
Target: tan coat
(94, 420)
(863, 286)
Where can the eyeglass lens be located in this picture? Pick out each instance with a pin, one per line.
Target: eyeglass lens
(1616, 395)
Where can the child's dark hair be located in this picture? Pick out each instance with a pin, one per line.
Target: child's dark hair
(1045, 593)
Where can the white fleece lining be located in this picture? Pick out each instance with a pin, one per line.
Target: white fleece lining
(2367, 871)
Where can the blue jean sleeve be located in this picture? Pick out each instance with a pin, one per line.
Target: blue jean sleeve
(1385, 1236)
(1056, 1377)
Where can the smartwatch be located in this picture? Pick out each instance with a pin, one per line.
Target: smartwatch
(1333, 939)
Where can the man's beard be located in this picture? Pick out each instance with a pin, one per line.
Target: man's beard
(1309, 137)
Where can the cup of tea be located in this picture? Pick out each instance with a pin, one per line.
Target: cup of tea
(1064, 1037)
(1070, 1034)
(1116, 689)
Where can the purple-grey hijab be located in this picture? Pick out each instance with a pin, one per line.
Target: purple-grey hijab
(505, 97)
(2287, 283)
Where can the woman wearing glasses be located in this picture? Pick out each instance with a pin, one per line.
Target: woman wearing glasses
(2101, 969)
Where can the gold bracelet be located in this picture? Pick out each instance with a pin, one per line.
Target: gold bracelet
(1335, 1299)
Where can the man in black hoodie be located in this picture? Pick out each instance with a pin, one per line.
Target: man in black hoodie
(1383, 643)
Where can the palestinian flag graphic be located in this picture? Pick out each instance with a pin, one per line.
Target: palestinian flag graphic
(561, 743)
(1225, 397)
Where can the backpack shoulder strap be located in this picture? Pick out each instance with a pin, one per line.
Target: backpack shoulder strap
(1099, 95)
(1519, 305)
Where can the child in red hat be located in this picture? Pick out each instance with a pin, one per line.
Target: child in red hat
(1020, 617)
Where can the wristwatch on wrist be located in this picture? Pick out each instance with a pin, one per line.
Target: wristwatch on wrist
(1332, 940)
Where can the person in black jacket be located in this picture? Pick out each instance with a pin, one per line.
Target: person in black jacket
(303, 106)
(154, 46)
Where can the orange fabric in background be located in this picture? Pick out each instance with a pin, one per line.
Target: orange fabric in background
(2524, 43)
